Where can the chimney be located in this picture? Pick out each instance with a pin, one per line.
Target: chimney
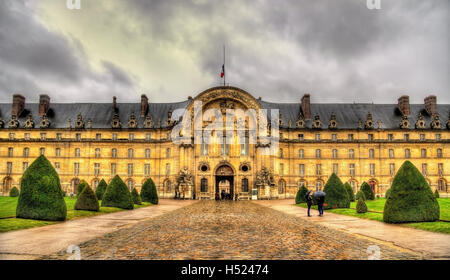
(403, 105)
(114, 104)
(144, 105)
(18, 105)
(306, 106)
(431, 105)
(44, 104)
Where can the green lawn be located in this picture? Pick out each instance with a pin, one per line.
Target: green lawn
(376, 207)
(8, 221)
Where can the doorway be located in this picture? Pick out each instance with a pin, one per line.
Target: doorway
(224, 182)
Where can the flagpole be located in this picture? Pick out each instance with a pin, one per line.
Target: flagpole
(224, 74)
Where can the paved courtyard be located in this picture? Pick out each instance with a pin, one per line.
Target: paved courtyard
(231, 230)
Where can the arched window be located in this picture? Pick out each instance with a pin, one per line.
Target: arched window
(244, 187)
(351, 153)
(130, 153)
(407, 153)
(301, 153)
(95, 183)
(281, 186)
(147, 153)
(441, 185)
(204, 185)
(114, 153)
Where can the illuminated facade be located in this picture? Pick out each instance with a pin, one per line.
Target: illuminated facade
(359, 142)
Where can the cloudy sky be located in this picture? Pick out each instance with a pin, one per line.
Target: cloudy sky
(339, 51)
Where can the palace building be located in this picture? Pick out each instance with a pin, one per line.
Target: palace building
(358, 142)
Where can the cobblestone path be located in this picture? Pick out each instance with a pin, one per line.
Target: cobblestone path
(230, 230)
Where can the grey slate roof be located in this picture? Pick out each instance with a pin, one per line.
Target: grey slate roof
(101, 114)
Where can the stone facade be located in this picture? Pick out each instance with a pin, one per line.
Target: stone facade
(362, 146)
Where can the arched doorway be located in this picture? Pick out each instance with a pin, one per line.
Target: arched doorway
(373, 185)
(225, 182)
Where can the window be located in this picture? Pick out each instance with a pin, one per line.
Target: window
(114, 153)
(391, 153)
(96, 169)
(167, 169)
(407, 153)
(245, 146)
(130, 153)
(27, 136)
(114, 137)
(43, 136)
(406, 137)
(353, 185)
(10, 152)
(319, 185)
(350, 137)
(318, 153)
(392, 169)
(95, 184)
(281, 169)
(439, 153)
(97, 152)
(334, 137)
(438, 137)
(244, 186)
(390, 137)
(281, 186)
(318, 169)
(423, 153)
(78, 136)
(372, 169)
(168, 185)
(440, 169)
(11, 136)
(148, 137)
(147, 153)
(422, 137)
(335, 168)
(98, 137)
(301, 169)
(301, 153)
(26, 152)
(317, 136)
(424, 169)
(147, 170)
(371, 153)
(57, 152)
(131, 137)
(281, 153)
(351, 168)
(370, 137)
(204, 185)
(204, 147)
(42, 151)
(351, 153)
(224, 146)
(335, 153)
(76, 168)
(130, 184)
(441, 185)
(58, 136)
(168, 152)
(301, 137)
(57, 166)
(8, 168)
(130, 169)
(77, 152)
(113, 169)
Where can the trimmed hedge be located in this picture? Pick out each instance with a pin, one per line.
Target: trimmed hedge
(148, 192)
(336, 194)
(14, 192)
(300, 197)
(117, 195)
(361, 206)
(87, 200)
(41, 196)
(360, 194)
(80, 187)
(436, 194)
(101, 188)
(350, 193)
(136, 197)
(368, 193)
(411, 198)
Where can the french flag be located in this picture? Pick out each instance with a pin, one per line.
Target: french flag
(223, 71)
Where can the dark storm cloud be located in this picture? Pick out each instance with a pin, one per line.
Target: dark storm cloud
(35, 60)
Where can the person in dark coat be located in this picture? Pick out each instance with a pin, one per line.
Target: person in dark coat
(320, 202)
(309, 201)
(222, 195)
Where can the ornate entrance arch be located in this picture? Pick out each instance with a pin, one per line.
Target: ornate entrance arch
(224, 181)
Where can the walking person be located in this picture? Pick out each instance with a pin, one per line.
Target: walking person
(320, 198)
(309, 202)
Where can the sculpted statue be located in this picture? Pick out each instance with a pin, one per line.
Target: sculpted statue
(184, 181)
(264, 177)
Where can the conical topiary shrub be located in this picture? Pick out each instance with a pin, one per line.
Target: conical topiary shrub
(336, 194)
(411, 198)
(41, 196)
(300, 197)
(101, 188)
(136, 197)
(387, 193)
(87, 200)
(360, 194)
(351, 195)
(361, 206)
(436, 193)
(80, 187)
(117, 195)
(368, 193)
(148, 192)
(14, 192)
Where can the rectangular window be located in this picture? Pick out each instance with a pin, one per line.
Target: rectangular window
(407, 153)
(114, 137)
(422, 137)
(335, 168)
(371, 153)
(97, 152)
(335, 153)
(438, 137)
(57, 167)
(58, 136)
(11, 136)
(372, 169)
(439, 153)
(351, 168)
(168, 153)
(42, 151)
(334, 136)
(96, 169)
(26, 152)
(147, 169)
(370, 137)
(147, 153)
(351, 153)
(167, 169)
(406, 137)
(98, 136)
(440, 169)
(301, 153)
(78, 136)
(114, 153)
(301, 169)
(423, 153)
(131, 137)
(57, 152)
(148, 137)
(130, 169)
(392, 169)
(76, 168)
(424, 169)
(318, 154)
(317, 136)
(8, 168)
(300, 137)
(10, 152)
(113, 169)
(391, 153)
(77, 152)
(281, 169)
(43, 136)
(350, 137)
(318, 169)
(27, 136)
(390, 137)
